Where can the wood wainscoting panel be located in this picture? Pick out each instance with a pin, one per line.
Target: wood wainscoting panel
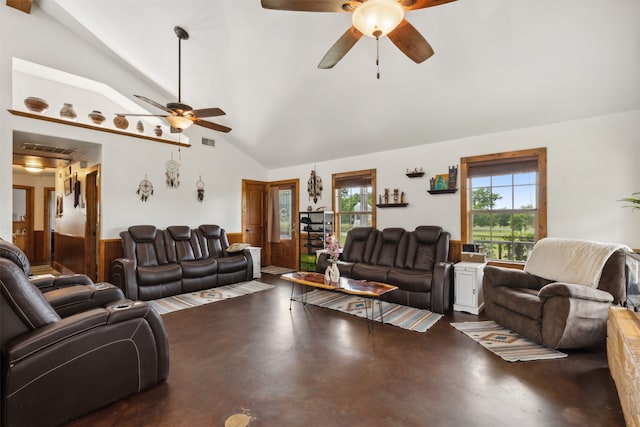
(39, 256)
(455, 251)
(234, 238)
(69, 253)
(110, 249)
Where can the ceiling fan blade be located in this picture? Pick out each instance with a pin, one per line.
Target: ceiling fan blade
(421, 4)
(208, 112)
(306, 5)
(211, 125)
(340, 48)
(411, 42)
(154, 103)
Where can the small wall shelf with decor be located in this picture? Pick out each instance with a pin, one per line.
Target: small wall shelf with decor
(392, 205)
(447, 191)
(95, 127)
(415, 173)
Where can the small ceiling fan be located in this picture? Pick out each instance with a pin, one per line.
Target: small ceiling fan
(180, 116)
(373, 18)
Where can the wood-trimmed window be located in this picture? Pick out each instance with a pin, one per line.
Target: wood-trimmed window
(353, 201)
(503, 202)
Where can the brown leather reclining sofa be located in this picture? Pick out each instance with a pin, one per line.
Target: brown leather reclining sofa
(159, 263)
(414, 261)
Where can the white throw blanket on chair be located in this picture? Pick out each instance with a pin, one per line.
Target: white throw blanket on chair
(570, 260)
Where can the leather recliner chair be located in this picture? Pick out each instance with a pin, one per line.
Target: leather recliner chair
(67, 294)
(56, 369)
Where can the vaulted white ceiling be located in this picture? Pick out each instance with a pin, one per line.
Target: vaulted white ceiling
(499, 65)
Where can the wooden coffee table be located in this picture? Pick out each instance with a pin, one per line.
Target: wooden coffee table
(364, 288)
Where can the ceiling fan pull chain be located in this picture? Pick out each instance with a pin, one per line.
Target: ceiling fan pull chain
(378, 56)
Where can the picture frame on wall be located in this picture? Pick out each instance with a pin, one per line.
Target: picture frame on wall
(442, 181)
(68, 186)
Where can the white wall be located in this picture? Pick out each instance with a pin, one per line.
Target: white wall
(125, 160)
(38, 181)
(592, 163)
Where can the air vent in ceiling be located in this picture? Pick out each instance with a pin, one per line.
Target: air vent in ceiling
(28, 146)
(209, 142)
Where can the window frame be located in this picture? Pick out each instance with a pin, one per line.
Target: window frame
(341, 177)
(540, 156)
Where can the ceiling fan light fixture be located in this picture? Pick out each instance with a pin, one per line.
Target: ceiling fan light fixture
(179, 122)
(377, 18)
(33, 168)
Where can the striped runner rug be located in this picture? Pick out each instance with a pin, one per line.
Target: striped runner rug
(193, 299)
(505, 343)
(411, 318)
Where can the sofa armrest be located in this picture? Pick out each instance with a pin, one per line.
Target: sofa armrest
(74, 299)
(570, 290)
(511, 277)
(123, 275)
(323, 262)
(247, 254)
(29, 343)
(441, 287)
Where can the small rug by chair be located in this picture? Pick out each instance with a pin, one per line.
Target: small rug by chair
(193, 299)
(505, 343)
(274, 269)
(411, 318)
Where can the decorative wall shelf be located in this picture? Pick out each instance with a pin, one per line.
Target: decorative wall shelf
(415, 174)
(93, 127)
(446, 191)
(392, 205)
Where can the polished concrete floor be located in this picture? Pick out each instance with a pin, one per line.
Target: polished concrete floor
(316, 367)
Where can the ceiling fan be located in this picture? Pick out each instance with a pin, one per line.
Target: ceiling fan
(180, 116)
(373, 18)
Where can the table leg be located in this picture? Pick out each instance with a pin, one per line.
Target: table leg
(380, 308)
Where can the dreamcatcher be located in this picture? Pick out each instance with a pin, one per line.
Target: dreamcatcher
(145, 189)
(173, 173)
(200, 187)
(314, 186)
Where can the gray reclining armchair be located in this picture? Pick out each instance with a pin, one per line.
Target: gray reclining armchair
(562, 298)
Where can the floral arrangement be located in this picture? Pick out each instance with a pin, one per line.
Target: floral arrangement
(333, 247)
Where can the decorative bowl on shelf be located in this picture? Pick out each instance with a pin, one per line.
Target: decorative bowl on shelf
(96, 117)
(37, 105)
(67, 111)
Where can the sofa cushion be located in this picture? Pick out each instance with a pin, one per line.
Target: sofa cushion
(158, 274)
(143, 233)
(410, 280)
(520, 300)
(359, 244)
(389, 244)
(233, 263)
(199, 267)
(422, 248)
(375, 273)
(182, 244)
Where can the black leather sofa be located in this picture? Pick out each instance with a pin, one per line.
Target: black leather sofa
(414, 261)
(57, 367)
(159, 263)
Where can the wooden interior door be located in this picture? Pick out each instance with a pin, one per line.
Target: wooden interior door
(48, 213)
(92, 224)
(284, 252)
(253, 215)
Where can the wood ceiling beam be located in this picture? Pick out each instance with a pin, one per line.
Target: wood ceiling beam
(23, 5)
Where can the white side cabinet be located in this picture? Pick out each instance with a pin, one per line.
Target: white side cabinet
(468, 287)
(256, 253)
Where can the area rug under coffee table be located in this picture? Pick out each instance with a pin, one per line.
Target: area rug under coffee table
(193, 299)
(411, 318)
(505, 343)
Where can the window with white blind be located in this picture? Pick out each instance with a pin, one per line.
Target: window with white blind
(353, 201)
(504, 202)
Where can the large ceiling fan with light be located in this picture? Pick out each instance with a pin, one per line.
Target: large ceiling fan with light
(373, 18)
(180, 116)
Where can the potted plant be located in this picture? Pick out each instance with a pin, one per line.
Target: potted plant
(635, 202)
